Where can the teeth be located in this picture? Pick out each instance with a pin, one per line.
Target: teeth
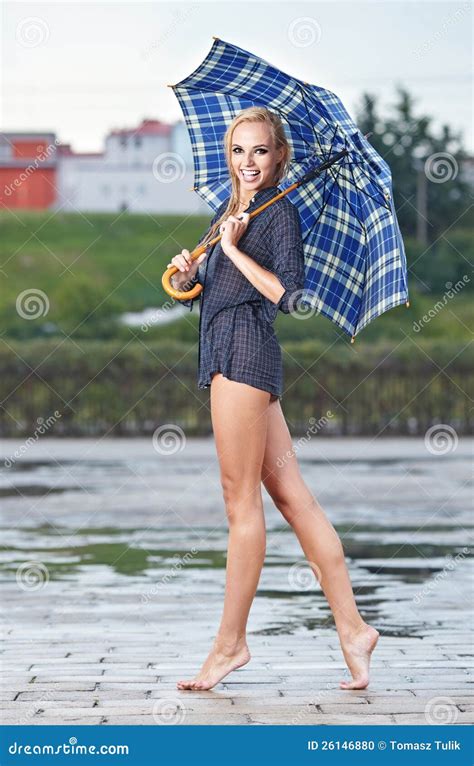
(250, 172)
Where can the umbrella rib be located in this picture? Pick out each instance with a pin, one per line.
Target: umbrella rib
(349, 161)
(363, 191)
(343, 192)
(337, 170)
(322, 117)
(325, 202)
(362, 170)
(282, 115)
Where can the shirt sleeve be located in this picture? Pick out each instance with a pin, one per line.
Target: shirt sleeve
(190, 302)
(287, 253)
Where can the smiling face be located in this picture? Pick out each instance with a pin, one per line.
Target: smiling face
(254, 157)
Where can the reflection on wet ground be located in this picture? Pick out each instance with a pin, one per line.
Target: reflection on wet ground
(112, 568)
(402, 513)
(383, 572)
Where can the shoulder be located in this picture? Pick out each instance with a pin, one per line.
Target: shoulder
(284, 215)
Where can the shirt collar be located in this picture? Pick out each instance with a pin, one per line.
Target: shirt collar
(262, 195)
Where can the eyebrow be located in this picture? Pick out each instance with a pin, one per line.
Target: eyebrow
(253, 147)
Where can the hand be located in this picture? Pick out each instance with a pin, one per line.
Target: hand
(232, 230)
(186, 265)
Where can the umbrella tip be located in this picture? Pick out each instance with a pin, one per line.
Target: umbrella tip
(353, 339)
(215, 38)
(170, 86)
(407, 303)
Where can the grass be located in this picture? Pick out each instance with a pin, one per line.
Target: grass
(93, 267)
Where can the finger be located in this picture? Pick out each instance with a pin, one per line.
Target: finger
(182, 264)
(187, 259)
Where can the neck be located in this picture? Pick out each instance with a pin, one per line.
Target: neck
(246, 197)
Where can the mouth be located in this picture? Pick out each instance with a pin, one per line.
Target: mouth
(249, 175)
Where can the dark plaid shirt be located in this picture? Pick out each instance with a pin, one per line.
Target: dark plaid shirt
(236, 336)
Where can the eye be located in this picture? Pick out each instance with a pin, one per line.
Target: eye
(236, 149)
(261, 149)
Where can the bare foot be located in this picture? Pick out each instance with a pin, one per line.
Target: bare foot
(357, 649)
(221, 661)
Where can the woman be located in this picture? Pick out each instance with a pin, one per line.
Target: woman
(251, 274)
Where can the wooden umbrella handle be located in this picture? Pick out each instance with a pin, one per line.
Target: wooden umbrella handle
(181, 295)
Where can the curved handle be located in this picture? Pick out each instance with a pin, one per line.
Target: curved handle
(181, 295)
(194, 292)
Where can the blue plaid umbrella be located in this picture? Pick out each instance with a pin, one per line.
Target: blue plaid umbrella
(354, 252)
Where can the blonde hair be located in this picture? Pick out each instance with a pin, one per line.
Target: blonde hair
(274, 122)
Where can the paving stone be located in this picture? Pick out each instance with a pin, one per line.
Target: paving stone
(414, 719)
(100, 657)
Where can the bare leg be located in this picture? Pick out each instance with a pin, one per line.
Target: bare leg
(239, 417)
(321, 545)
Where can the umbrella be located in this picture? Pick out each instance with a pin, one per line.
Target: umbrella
(354, 254)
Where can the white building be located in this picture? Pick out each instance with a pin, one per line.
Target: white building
(146, 169)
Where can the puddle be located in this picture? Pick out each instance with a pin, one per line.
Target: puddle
(122, 523)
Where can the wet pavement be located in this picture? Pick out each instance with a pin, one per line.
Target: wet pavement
(113, 568)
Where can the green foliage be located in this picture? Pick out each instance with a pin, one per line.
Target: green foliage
(409, 145)
(93, 269)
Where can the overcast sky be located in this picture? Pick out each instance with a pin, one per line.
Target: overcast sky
(80, 70)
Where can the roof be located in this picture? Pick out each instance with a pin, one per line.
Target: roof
(147, 128)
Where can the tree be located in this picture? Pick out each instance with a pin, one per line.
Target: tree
(417, 156)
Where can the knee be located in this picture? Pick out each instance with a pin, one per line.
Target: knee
(240, 491)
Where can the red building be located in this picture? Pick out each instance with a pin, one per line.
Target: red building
(28, 166)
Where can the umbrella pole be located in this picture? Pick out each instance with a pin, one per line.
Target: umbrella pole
(196, 290)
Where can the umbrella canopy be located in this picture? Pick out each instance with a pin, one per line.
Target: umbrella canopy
(354, 252)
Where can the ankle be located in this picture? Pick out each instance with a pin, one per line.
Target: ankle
(349, 632)
(229, 644)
